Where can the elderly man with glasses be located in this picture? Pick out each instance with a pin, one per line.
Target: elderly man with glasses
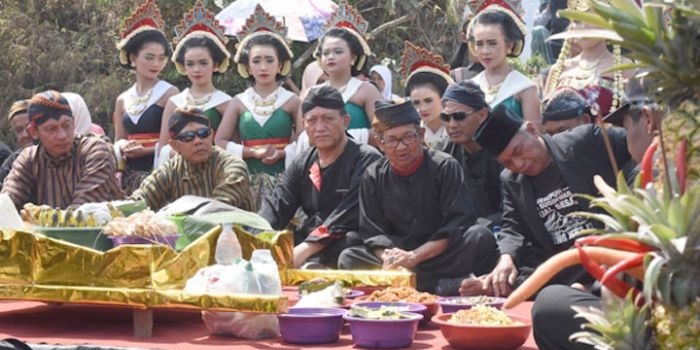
(414, 209)
(199, 169)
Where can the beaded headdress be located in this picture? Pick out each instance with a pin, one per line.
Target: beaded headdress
(262, 23)
(146, 17)
(347, 17)
(511, 8)
(416, 59)
(600, 98)
(200, 22)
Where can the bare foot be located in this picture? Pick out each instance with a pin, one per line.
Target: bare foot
(473, 286)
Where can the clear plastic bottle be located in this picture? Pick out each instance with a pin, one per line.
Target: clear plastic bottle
(268, 274)
(228, 250)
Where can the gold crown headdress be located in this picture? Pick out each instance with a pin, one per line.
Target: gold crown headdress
(415, 59)
(262, 23)
(146, 17)
(347, 17)
(510, 8)
(200, 22)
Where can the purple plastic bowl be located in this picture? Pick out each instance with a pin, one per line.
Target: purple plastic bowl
(166, 240)
(454, 304)
(311, 325)
(398, 305)
(383, 334)
(403, 306)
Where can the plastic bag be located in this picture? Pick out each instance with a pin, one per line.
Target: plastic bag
(259, 276)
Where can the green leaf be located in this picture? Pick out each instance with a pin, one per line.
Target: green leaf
(631, 8)
(585, 17)
(653, 264)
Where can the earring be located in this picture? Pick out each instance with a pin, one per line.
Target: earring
(133, 65)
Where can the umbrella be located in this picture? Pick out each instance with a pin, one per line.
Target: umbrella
(304, 19)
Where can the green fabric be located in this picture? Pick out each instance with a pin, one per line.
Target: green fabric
(358, 117)
(214, 117)
(279, 125)
(513, 105)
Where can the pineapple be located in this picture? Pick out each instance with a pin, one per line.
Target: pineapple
(620, 325)
(663, 38)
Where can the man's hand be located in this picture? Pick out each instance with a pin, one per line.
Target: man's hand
(395, 258)
(304, 250)
(502, 278)
(474, 286)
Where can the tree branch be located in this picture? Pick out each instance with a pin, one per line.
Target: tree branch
(301, 60)
(394, 23)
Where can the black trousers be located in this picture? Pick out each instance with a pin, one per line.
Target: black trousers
(553, 318)
(475, 252)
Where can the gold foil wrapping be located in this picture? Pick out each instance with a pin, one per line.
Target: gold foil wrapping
(34, 267)
(356, 278)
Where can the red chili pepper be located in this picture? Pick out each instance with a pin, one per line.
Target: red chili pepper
(625, 244)
(615, 285)
(624, 265)
(591, 266)
(681, 171)
(647, 173)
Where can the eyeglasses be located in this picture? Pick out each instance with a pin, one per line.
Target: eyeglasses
(407, 139)
(457, 116)
(188, 136)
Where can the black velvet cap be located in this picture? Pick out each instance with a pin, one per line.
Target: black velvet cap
(498, 129)
(323, 96)
(564, 105)
(389, 115)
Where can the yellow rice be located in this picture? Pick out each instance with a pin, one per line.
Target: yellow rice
(481, 315)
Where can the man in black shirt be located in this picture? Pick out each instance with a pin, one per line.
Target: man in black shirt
(415, 212)
(324, 182)
(463, 110)
(543, 174)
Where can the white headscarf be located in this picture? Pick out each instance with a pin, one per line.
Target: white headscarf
(385, 73)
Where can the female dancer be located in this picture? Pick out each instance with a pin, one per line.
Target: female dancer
(587, 71)
(342, 53)
(200, 54)
(495, 34)
(260, 122)
(427, 77)
(139, 110)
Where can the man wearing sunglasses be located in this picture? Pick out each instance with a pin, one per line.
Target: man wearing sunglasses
(63, 169)
(415, 212)
(199, 169)
(323, 181)
(543, 175)
(463, 110)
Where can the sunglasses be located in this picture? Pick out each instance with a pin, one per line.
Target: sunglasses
(188, 136)
(457, 116)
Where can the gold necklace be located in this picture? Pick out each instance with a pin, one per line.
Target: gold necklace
(138, 103)
(191, 101)
(490, 92)
(263, 106)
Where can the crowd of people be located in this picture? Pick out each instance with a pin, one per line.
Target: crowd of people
(467, 176)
